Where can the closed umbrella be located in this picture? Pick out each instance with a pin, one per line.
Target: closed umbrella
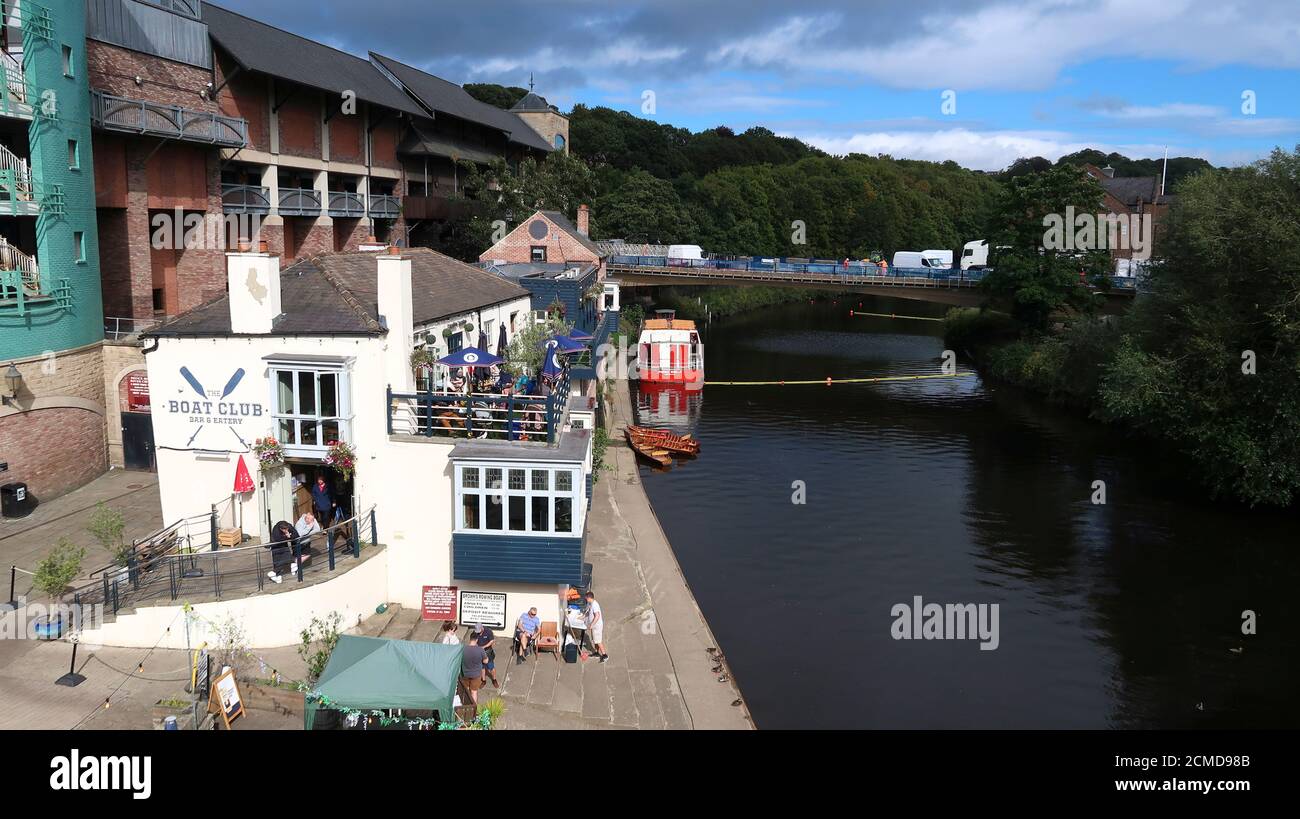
(482, 339)
(551, 369)
(243, 480)
(502, 341)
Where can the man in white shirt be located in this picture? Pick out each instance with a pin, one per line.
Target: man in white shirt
(307, 527)
(596, 625)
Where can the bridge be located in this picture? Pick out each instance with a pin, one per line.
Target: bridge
(954, 287)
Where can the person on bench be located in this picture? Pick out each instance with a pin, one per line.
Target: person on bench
(526, 628)
(307, 527)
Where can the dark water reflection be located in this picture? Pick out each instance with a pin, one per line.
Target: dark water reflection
(1115, 615)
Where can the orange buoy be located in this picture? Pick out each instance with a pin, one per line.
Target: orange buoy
(828, 382)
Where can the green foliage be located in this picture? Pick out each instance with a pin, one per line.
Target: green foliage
(527, 352)
(644, 209)
(970, 329)
(699, 303)
(1226, 293)
(58, 568)
(1040, 281)
(106, 525)
(318, 641)
(1067, 367)
(501, 96)
(599, 445)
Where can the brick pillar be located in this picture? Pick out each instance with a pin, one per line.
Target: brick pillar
(138, 231)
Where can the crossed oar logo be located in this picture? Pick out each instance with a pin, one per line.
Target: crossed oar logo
(197, 386)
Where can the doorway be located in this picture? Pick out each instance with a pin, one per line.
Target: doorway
(137, 441)
(291, 494)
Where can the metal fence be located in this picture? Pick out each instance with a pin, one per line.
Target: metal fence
(493, 416)
(172, 121)
(245, 198)
(175, 566)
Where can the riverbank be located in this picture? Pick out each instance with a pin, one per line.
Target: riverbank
(629, 538)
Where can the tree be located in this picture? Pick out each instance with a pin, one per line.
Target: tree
(527, 351)
(1037, 275)
(645, 209)
(59, 568)
(1211, 356)
(501, 96)
(106, 525)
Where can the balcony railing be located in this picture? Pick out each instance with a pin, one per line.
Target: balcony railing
(245, 199)
(492, 416)
(171, 121)
(346, 204)
(299, 202)
(385, 206)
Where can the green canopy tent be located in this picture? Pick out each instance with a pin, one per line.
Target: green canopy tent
(370, 673)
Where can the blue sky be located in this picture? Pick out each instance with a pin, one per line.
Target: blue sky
(1028, 77)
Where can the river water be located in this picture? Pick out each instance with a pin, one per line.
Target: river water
(1126, 614)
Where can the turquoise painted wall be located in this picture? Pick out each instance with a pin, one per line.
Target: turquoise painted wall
(81, 321)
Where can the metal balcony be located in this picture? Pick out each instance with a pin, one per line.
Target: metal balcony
(346, 204)
(135, 116)
(245, 199)
(385, 206)
(299, 202)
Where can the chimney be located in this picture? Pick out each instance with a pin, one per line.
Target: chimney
(253, 282)
(584, 219)
(397, 315)
(1109, 171)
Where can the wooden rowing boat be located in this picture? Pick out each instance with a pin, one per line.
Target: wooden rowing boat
(664, 439)
(647, 449)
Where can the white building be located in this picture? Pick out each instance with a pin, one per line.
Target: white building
(488, 496)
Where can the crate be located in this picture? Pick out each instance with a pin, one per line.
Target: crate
(230, 537)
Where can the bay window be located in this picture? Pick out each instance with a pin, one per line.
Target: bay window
(510, 499)
(310, 407)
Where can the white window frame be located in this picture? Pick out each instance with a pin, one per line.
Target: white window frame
(577, 494)
(343, 418)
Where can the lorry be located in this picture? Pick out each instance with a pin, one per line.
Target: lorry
(683, 255)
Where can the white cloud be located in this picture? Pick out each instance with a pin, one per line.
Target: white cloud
(981, 150)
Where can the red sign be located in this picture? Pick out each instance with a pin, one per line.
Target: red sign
(137, 392)
(439, 603)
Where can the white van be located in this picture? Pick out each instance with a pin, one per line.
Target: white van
(685, 252)
(923, 258)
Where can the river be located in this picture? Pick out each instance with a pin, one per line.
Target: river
(1126, 614)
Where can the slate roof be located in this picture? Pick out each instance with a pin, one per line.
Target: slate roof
(337, 294)
(1128, 189)
(442, 96)
(257, 46)
(562, 222)
(531, 102)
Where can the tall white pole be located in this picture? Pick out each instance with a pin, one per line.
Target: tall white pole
(1164, 173)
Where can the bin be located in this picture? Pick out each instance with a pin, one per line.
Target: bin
(16, 501)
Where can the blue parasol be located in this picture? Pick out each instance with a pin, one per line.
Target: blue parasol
(581, 335)
(567, 344)
(551, 369)
(470, 357)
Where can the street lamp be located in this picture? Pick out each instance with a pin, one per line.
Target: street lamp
(13, 379)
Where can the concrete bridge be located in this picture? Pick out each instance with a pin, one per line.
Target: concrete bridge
(957, 288)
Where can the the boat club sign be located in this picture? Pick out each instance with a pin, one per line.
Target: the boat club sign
(204, 404)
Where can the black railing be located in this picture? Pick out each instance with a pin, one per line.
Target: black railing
(194, 573)
(171, 121)
(299, 202)
(492, 416)
(245, 199)
(344, 203)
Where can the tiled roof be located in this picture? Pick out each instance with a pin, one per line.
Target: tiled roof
(337, 294)
(562, 222)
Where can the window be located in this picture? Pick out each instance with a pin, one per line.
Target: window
(74, 155)
(520, 500)
(309, 407)
(67, 61)
(539, 254)
(559, 142)
(79, 247)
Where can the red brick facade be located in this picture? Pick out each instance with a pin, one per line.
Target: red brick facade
(53, 451)
(560, 244)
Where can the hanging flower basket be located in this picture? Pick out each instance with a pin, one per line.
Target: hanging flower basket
(269, 452)
(342, 457)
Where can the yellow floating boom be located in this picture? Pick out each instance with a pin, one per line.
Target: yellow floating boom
(831, 381)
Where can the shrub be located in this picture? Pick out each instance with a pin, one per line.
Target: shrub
(106, 525)
(59, 568)
(318, 642)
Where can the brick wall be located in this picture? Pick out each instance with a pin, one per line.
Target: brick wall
(53, 451)
(245, 95)
(114, 70)
(560, 246)
(350, 233)
(300, 131)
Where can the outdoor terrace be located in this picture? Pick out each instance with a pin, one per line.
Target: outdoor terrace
(481, 415)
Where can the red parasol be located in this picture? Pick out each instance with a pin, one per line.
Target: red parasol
(243, 481)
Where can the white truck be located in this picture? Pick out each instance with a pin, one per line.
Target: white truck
(975, 255)
(923, 258)
(684, 254)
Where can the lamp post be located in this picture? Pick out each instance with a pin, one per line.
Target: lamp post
(13, 380)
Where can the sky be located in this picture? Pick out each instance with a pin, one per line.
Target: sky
(980, 82)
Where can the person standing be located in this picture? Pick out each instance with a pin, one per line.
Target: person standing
(473, 663)
(596, 625)
(485, 639)
(322, 500)
(448, 636)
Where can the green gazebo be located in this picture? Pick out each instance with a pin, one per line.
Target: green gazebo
(371, 673)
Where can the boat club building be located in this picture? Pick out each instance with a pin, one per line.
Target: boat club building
(486, 493)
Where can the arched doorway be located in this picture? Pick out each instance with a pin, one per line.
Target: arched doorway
(137, 424)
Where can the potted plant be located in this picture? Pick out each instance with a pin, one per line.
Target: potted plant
(269, 452)
(53, 574)
(106, 525)
(176, 707)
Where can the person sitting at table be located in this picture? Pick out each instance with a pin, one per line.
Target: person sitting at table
(526, 629)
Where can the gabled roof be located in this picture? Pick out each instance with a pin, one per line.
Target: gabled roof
(337, 294)
(266, 49)
(532, 102)
(440, 96)
(562, 222)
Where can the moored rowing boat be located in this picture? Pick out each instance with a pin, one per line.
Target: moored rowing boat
(664, 439)
(647, 448)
